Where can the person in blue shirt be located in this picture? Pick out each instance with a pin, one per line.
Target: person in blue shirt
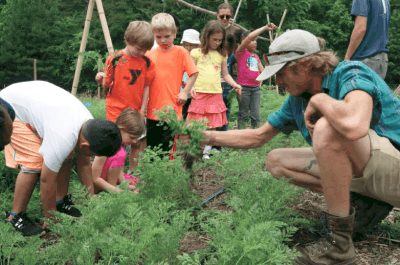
(370, 37)
(351, 119)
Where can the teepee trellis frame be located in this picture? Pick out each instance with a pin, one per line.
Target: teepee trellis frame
(271, 38)
(215, 13)
(82, 48)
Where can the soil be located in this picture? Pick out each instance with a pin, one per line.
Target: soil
(375, 250)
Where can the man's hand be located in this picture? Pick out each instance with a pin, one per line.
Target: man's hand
(311, 116)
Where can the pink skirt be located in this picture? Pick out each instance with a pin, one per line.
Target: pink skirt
(209, 106)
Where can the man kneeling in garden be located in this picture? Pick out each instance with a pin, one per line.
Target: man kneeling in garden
(350, 117)
(49, 125)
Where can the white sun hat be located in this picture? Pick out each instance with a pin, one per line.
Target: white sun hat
(289, 46)
(191, 36)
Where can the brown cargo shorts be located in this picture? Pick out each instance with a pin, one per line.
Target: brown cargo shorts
(381, 176)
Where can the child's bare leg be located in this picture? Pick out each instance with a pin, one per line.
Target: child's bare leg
(24, 187)
(135, 151)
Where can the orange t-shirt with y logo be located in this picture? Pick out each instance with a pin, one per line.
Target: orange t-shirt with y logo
(170, 66)
(126, 78)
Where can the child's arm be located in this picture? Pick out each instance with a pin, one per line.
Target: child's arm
(97, 168)
(192, 92)
(227, 77)
(143, 108)
(252, 36)
(182, 98)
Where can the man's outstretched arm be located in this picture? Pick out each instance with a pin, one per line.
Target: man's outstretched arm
(241, 139)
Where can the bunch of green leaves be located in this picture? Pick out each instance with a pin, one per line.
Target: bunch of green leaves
(16, 249)
(94, 59)
(195, 129)
(116, 227)
(164, 178)
(231, 95)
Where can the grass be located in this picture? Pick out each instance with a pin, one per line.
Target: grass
(146, 228)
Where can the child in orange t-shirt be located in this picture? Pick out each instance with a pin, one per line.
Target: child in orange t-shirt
(171, 62)
(127, 76)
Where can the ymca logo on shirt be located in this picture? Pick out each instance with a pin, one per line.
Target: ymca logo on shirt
(252, 63)
(135, 75)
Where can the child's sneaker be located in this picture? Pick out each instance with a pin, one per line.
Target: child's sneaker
(23, 224)
(67, 208)
(206, 157)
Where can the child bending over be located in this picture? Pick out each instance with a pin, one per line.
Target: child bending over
(108, 172)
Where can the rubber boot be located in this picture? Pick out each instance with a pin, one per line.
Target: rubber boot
(336, 246)
(369, 213)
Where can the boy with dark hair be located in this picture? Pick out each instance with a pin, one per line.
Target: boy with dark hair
(171, 62)
(50, 125)
(127, 76)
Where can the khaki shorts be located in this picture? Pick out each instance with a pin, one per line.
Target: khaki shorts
(381, 176)
(23, 151)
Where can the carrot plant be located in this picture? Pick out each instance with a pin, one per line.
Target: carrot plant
(181, 127)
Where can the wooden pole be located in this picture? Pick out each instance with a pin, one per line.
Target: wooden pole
(104, 25)
(237, 11)
(280, 24)
(270, 32)
(34, 70)
(83, 47)
(98, 86)
(271, 40)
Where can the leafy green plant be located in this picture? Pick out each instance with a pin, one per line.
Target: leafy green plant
(181, 127)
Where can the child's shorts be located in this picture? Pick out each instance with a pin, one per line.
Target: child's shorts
(210, 106)
(381, 176)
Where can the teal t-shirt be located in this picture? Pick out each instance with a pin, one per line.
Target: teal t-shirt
(348, 76)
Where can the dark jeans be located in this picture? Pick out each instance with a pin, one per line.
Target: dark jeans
(225, 91)
(251, 99)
